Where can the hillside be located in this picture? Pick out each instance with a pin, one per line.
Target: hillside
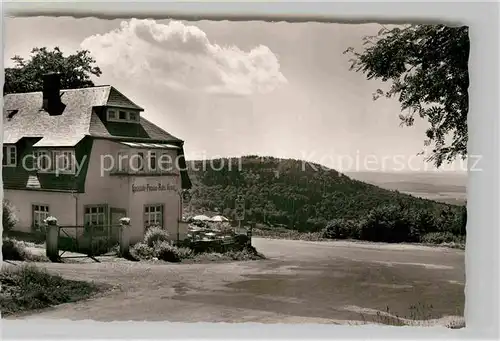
(292, 193)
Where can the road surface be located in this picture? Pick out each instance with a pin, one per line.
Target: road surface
(323, 282)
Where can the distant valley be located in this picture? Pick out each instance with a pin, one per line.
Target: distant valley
(447, 187)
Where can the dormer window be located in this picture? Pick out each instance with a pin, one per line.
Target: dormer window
(122, 115)
(133, 116)
(111, 115)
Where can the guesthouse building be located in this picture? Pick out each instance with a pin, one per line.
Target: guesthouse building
(89, 157)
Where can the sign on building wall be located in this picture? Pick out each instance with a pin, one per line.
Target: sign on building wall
(154, 187)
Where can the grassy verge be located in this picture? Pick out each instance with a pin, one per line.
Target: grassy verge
(431, 239)
(289, 234)
(244, 255)
(164, 251)
(29, 288)
(420, 315)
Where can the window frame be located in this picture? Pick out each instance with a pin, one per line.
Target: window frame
(125, 115)
(116, 113)
(7, 153)
(113, 111)
(52, 155)
(125, 161)
(36, 212)
(37, 158)
(149, 214)
(136, 115)
(105, 214)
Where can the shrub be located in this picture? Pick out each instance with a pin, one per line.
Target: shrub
(391, 224)
(16, 250)
(168, 253)
(12, 250)
(9, 218)
(142, 251)
(440, 238)
(184, 252)
(210, 257)
(341, 229)
(155, 234)
(242, 255)
(315, 224)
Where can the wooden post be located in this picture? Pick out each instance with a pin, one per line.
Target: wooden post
(52, 239)
(125, 236)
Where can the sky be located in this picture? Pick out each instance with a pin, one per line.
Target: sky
(239, 88)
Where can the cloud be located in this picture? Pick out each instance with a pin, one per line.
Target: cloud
(183, 58)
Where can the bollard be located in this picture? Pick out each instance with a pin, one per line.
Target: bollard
(52, 239)
(125, 237)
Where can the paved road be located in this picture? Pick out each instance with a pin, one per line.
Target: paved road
(324, 282)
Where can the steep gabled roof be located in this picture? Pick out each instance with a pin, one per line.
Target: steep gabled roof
(23, 116)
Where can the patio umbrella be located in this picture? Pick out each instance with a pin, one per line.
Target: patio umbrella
(219, 218)
(201, 217)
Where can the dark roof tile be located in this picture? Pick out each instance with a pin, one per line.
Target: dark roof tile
(78, 119)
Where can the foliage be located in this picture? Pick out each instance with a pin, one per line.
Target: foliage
(288, 234)
(156, 234)
(188, 251)
(441, 238)
(246, 254)
(12, 250)
(389, 223)
(305, 197)
(184, 252)
(168, 253)
(161, 250)
(142, 251)
(28, 288)
(427, 66)
(341, 229)
(9, 218)
(26, 75)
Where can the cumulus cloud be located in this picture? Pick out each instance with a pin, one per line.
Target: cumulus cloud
(183, 58)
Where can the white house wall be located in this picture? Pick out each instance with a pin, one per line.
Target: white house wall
(61, 205)
(117, 191)
(100, 187)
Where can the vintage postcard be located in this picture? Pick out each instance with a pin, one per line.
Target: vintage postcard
(234, 171)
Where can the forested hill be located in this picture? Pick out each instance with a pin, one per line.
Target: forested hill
(300, 195)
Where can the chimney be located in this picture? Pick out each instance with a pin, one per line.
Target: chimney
(51, 94)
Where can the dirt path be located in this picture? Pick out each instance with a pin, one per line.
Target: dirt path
(301, 282)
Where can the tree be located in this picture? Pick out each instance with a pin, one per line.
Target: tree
(427, 66)
(9, 218)
(26, 75)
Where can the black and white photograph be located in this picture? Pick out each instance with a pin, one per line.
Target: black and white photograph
(235, 171)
